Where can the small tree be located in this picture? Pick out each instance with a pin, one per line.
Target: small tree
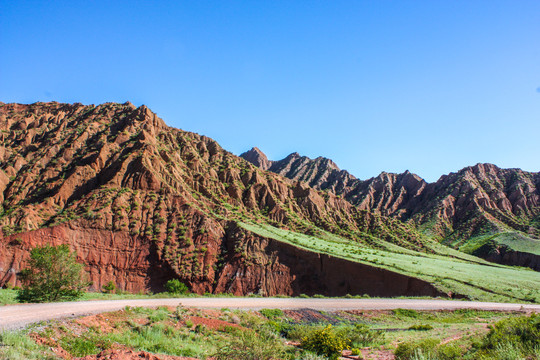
(109, 288)
(174, 286)
(52, 274)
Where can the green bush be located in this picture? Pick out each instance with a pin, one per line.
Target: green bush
(522, 331)
(280, 327)
(251, 346)
(299, 331)
(421, 327)
(410, 350)
(514, 337)
(360, 335)
(428, 349)
(174, 286)
(271, 314)
(449, 352)
(325, 342)
(406, 313)
(53, 274)
(109, 288)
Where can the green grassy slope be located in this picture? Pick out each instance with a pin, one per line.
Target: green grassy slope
(448, 269)
(514, 240)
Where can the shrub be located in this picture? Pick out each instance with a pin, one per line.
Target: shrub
(421, 327)
(406, 313)
(410, 350)
(279, 327)
(53, 274)
(427, 349)
(522, 331)
(449, 352)
(271, 313)
(300, 331)
(174, 286)
(515, 337)
(109, 288)
(251, 346)
(360, 335)
(325, 342)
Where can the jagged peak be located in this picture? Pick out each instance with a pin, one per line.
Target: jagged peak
(130, 105)
(294, 155)
(257, 158)
(255, 150)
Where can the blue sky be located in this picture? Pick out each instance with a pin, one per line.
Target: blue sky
(428, 86)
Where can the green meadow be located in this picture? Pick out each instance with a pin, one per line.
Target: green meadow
(448, 269)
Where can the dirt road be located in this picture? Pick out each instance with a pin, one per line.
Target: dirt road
(19, 316)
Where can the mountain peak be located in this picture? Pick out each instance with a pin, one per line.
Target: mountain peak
(257, 158)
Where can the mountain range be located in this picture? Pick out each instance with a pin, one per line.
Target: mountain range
(476, 201)
(141, 202)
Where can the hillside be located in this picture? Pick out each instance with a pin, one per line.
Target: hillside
(142, 202)
(480, 205)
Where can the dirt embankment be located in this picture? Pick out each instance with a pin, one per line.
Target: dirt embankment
(262, 266)
(278, 268)
(502, 254)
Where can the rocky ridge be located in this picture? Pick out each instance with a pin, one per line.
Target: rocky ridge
(476, 200)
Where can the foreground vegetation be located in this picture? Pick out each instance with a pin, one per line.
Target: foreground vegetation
(275, 334)
(451, 271)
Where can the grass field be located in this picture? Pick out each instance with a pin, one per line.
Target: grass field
(449, 270)
(265, 334)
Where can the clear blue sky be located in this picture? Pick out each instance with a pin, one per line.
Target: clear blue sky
(428, 86)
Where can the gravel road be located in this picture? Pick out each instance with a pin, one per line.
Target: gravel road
(18, 316)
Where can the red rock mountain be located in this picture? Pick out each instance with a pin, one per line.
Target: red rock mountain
(480, 199)
(142, 203)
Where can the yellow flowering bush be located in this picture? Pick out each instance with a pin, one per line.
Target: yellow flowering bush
(325, 342)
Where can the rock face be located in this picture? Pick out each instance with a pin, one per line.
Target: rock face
(502, 254)
(477, 199)
(141, 203)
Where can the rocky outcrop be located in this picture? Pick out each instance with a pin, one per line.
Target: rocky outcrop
(502, 254)
(129, 261)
